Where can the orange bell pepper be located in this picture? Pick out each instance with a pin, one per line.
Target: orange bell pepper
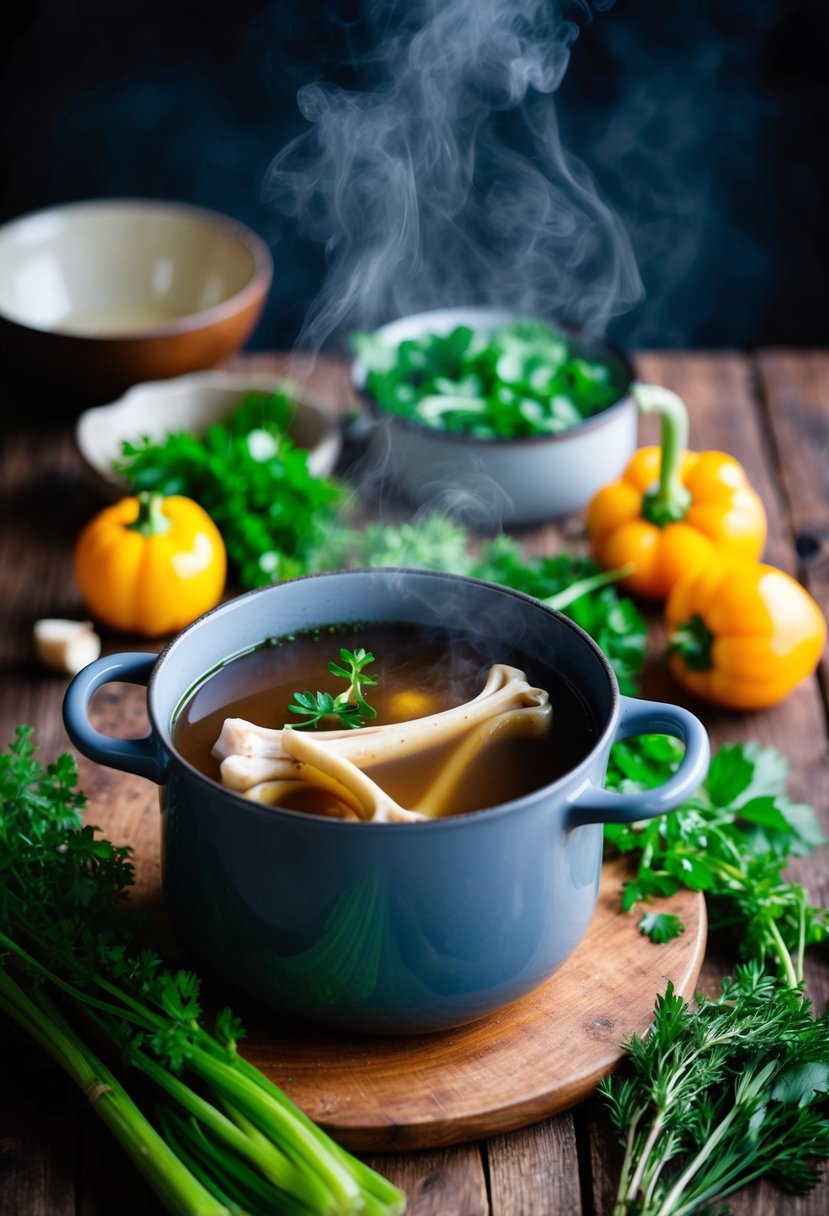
(673, 510)
(742, 634)
(150, 565)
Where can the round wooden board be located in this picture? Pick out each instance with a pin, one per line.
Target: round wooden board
(543, 1054)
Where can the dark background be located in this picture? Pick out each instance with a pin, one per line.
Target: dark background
(704, 121)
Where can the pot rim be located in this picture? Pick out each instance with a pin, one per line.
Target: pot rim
(575, 777)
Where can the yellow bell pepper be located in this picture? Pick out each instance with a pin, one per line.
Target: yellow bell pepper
(672, 510)
(150, 565)
(742, 634)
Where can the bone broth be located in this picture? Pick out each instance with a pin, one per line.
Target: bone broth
(508, 735)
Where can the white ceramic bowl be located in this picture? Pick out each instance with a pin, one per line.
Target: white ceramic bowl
(96, 296)
(193, 403)
(516, 482)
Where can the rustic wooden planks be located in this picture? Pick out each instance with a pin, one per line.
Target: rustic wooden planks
(440, 1181)
(794, 396)
(536, 1170)
(39, 1133)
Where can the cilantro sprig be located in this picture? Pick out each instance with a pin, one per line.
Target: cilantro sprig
(347, 710)
(612, 620)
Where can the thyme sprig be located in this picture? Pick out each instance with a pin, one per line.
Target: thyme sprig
(718, 1096)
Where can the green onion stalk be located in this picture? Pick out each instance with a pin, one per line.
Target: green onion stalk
(247, 1127)
(209, 1132)
(584, 586)
(37, 1015)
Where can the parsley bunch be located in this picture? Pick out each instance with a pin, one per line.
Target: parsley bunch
(719, 1096)
(428, 542)
(577, 587)
(732, 840)
(217, 1138)
(251, 479)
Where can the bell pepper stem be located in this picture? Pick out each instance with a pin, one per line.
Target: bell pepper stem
(692, 642)
(670, 500)
(151, 520)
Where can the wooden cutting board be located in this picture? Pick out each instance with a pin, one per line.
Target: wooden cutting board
(543, 1054)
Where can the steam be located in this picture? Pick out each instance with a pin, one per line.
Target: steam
(447, 183)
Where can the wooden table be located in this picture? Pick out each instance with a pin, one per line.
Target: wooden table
(771, 410)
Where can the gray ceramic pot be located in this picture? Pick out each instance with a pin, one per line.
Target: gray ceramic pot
(486, 482)
(383, 927)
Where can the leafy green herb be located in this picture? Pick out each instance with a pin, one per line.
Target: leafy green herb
(349, 709)
(661, 927)
(429, 542)
(732, 840)
(722, 1095)
(251, 479)
(219, 1138)
(523, 378)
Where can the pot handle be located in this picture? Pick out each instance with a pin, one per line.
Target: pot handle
(144, 757)
(595, 805)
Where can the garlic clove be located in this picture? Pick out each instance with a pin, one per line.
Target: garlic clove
(66, 646)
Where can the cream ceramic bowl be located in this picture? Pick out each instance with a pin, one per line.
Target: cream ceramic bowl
(193, 403)
(488, 482)
(96, 296)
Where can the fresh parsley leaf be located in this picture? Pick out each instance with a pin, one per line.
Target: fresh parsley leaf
(648, 885)
(615, 623)
(661, 927)
(228, 1028)
(430, 542)
(730, 774)
(799, 1084)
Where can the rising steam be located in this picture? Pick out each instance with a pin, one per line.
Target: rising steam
(447, 183)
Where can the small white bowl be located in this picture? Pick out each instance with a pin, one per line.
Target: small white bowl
(96, 296)
(517, 482)
(193, 403)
